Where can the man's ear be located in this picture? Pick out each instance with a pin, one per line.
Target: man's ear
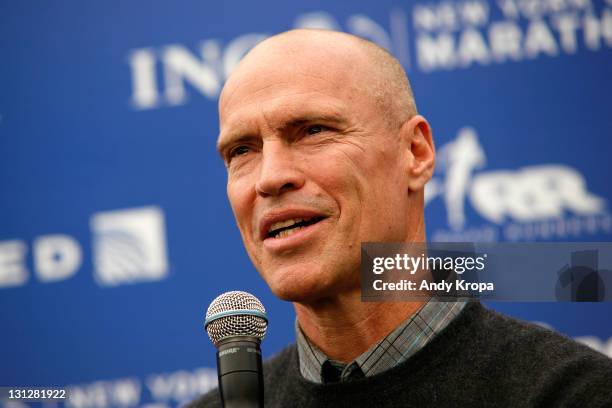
(421, 152)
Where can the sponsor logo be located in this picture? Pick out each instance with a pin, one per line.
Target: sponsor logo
(433, 36)
(527, 203)
(129, 246)
(207, 69)
(456, 35)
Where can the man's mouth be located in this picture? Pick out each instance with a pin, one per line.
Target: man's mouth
(282, 229)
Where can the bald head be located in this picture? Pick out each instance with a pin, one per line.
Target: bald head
(352, 62)
(321, 126)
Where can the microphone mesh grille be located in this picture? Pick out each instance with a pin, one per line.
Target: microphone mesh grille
(235, 324)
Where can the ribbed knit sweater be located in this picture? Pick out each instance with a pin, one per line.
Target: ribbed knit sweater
(482, 359)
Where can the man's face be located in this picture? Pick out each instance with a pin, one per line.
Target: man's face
(313, 170)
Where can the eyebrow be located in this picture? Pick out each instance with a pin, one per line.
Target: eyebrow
(222, 147)
(240, 136)
(315, 118)
(224, 141)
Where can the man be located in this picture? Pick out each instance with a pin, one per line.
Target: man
(325, 150)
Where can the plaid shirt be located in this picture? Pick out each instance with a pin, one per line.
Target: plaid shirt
(403, 342)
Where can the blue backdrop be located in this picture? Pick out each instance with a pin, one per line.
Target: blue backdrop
(115, 232)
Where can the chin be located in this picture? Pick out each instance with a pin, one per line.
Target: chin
(305, 283)
(296, 283)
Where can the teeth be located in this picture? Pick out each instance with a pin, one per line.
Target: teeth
(286, 233)
(286, 223)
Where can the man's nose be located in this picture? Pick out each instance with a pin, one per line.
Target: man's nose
(279, 172)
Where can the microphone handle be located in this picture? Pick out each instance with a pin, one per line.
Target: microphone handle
(240, 372)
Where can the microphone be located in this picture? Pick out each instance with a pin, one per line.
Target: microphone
(236, 323)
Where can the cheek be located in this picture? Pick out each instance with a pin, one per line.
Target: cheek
(339, 179)
(336, 175)
(367, 190)
(241, 203)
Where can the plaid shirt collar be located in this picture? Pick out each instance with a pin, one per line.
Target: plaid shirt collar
(408, 338)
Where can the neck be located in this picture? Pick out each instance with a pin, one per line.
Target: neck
(345, 327)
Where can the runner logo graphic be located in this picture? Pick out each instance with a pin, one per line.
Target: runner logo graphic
(532, 202)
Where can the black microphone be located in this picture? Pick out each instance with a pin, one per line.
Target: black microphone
(236, 323)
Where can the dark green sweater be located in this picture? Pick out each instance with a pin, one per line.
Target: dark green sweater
(481, 359)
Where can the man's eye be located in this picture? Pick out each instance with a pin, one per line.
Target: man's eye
(311, 130)
(238, 151)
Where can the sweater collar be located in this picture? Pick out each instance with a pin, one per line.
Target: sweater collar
(398, 346)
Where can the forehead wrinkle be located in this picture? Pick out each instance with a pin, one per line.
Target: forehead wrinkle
(294, 105)
(290, 81)
(223, 103)
(287, 113)
(326, 111)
